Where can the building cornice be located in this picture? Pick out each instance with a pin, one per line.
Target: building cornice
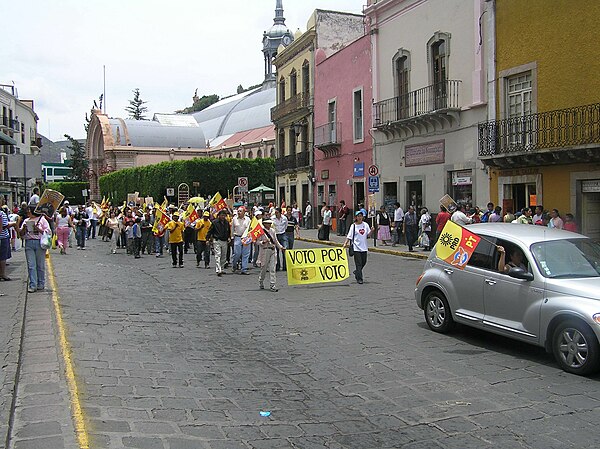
(300, 45)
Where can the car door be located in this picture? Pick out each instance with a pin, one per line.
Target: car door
(512, 306)
(467, 284)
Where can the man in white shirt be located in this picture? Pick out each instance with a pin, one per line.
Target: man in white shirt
(280, 223)
(239, 225)
(326, 213)
(459, 217)
(35, 197)
(307, 215)
(398, 221)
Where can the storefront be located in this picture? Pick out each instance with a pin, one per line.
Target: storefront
(462, 186)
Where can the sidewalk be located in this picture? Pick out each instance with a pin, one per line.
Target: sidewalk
(310, 235)
(35, 406)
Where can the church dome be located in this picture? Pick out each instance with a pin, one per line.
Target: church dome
(278, 30)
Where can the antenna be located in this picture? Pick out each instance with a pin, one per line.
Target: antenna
(104, 91)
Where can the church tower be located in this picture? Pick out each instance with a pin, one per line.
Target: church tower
(277, 35)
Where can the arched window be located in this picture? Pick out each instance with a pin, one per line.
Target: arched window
(250, 154)
(281, 90)
(438, 54)
(306, 77)
(238, 156)
(401, 68)
(272, 153)
(259, 153)
(293, 83)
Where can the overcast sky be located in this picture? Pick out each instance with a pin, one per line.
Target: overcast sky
(54, 51)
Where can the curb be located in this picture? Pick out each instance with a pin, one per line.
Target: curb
(371, 250)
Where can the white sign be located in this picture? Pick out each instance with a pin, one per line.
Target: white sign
(590, 186)
(170, 192)
(461, 178)
(84, 193)
(243, 184)
(373, 170)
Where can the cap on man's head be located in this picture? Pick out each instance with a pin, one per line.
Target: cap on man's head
(206, 214)
(267, 221)
(358, 212)
(67, 202)
(176, 214)
(258, 212)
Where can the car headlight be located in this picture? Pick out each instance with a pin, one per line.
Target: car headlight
(596, 318)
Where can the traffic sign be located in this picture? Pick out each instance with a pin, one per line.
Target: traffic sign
(373, 170)
(373, 184)
(170, 191)
(243, 184)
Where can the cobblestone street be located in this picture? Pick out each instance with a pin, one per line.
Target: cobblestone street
(178, 358)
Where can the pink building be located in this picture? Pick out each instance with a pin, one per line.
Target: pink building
(342, 120)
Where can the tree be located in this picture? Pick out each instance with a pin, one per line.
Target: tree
(136, 108)
(79, 163)
(200, 104)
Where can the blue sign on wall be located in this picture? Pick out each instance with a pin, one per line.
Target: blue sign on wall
(359, 169)
(373, 184)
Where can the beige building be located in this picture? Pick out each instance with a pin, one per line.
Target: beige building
(293, 113)
(430, 92)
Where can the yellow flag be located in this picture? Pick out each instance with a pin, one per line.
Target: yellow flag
(164, 204)
(215, 199)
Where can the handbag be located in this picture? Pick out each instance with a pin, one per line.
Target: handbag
(351, 249)
(54, 241)
(46, 240)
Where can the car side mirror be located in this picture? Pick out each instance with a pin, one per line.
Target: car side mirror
(520, 273)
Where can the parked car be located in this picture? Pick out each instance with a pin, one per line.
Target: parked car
(550, 299)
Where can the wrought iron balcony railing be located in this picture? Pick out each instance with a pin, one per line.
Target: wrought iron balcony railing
(292, 104)
(285, 163)
(293, 161)
(543, 130)
(329, 134)
(302, 159)
(427, 100)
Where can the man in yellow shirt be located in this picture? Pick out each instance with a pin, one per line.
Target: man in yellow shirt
(175, 228)
(202, 246)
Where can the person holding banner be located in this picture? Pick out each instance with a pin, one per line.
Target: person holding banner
(268, 245)
(358, 235)
(241, 252)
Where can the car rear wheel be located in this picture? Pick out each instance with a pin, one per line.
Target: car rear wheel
(437, 312)
(576, 348)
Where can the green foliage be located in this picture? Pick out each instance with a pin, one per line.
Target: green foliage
(136, 108)
(200, 104)
(79, 162)
(71, 190)
(212, 174)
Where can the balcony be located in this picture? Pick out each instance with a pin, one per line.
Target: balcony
(299, 104)
(36, 143)
(328, 138)
(547, 138)
(421, 111)
(292, 162)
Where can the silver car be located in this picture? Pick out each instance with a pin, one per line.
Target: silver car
(544, 291)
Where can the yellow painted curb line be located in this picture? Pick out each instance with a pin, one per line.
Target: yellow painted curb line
(391, 252)
(78, 417)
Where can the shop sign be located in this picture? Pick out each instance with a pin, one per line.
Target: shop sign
(591, 186)
(424, 154)
(461, 178)
(519, 172)
(359, 170)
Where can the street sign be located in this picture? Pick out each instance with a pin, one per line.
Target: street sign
(243, 184)
(358, 170)
(373, 184)
(170, 192)
(84, 193)
(373, 170)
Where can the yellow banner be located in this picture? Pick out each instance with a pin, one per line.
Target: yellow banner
(315, 266)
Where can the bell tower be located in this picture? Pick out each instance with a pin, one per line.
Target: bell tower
(277, 35)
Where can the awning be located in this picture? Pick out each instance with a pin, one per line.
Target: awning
(7, 140)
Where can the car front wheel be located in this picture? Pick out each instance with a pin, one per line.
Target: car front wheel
(437, 312)
(576, 348)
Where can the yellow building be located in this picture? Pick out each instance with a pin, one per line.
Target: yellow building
(293, 112)
(544, 145)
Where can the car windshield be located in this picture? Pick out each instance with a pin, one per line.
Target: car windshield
(575, 258)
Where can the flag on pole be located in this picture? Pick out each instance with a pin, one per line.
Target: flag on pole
(160, 222)
(255, 230)
(190, 215)
(217, 202)
(456, 244)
